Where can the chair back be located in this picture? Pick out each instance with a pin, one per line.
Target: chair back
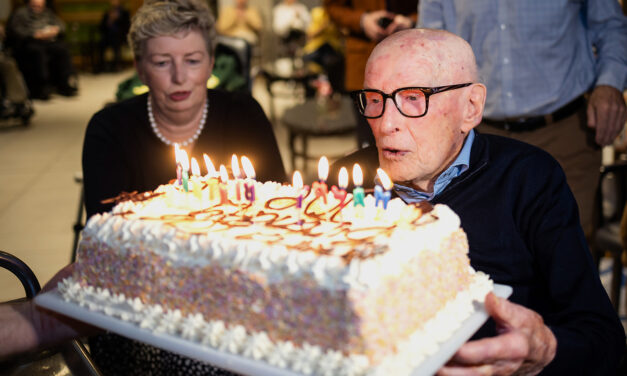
(241, 50)
(606, 238)
(22, 272)
(611, 194)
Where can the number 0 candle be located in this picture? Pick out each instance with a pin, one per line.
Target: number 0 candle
(382, 192)
(358, 191)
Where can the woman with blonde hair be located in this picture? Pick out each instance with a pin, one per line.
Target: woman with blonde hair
(129, 146)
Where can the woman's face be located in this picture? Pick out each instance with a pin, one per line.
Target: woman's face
(176, 69)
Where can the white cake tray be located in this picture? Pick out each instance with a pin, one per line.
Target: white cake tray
(53, 301)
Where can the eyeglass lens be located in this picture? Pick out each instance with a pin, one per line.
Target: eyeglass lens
(410, 102)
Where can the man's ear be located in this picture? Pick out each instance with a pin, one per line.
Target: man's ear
(473, 109)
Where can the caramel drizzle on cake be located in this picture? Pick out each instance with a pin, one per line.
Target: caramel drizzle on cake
(314, 224)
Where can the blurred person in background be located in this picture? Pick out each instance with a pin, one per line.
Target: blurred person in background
(14, 101)
(290, 20)
(241, 20)
(555, 73)
(35, 35)
(324, 47)
(114, 27)
(364, 24)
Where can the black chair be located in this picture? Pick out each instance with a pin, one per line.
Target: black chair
(79, 224)
(241, 49)
(610, 200)
(72, 357)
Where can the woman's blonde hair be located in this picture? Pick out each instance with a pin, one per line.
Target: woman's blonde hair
(169, 17)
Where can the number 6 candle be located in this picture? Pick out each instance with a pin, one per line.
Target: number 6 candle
(297, 183)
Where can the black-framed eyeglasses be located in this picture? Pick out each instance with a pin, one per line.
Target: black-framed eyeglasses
(412, 102)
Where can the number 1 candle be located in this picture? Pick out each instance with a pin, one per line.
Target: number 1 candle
(195, 179)
(177, 158)
(185, 169)
(212, 178)
(224, 180)
(297, 183)
(236, 176)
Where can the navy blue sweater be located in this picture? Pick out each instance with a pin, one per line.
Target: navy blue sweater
(523, 229)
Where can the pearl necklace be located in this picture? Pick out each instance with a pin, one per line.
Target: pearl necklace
(190, 140)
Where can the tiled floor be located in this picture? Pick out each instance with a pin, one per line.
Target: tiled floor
(38, 195)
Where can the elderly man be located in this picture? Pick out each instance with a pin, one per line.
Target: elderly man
(422, 99)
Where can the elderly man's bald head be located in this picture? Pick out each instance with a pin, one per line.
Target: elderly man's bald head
(447, 57)
(416, 150)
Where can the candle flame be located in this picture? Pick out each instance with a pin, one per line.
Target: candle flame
(224, 176)
(183, 159)
(385, 179)
(323, 168)
(297, 180)
(342, 179)
(235, 167)
(195, 167)
(177, 151)
(358, 176)
(211, 170)
(248, 168)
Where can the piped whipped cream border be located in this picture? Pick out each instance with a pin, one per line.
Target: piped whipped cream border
(276, 261)
(308, 359)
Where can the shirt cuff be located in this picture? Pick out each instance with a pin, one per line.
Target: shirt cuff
(612, 74)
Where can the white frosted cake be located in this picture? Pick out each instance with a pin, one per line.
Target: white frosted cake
(327, 289)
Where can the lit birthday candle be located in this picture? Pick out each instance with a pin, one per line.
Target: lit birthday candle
(195, 179)
(297, 183)
(177, 158)
(212, 178)
(237, 176)
(358, 191)
(383, 192)
(249, 183)
(320, 187)
(224, 179)
(211, 170)
(184, 159)
(342, 181)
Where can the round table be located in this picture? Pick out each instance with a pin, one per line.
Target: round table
(316, 119)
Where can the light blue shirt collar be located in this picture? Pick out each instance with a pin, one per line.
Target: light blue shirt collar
(459, 165)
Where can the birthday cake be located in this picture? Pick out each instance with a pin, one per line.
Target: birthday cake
(312, 281)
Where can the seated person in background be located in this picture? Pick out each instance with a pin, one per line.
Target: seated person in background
(14, 100)
(324, 47)
(422, 99)
(35, 34)
(113, 29)
(129, 146)
(242, 21)
(289, 22)
(364, 24)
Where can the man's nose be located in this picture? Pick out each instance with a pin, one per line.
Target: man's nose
(390, 119)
